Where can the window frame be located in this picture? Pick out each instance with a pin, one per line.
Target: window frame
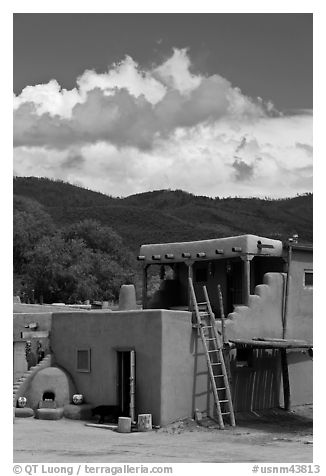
(308, 272)
(88, 369)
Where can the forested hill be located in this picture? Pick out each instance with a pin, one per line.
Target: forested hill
(165, 215)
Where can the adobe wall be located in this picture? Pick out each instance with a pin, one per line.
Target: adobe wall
(263, 316)
(177, 367)
(43, 319)
(158, 373)
(21, 322)
(300, 306)
(300, 376)
(19, 359)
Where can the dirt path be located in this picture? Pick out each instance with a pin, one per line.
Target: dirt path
(282, 438)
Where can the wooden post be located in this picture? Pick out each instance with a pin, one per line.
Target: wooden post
(132, 385)
(286, 381)
(220, 299)
(145, 286)
(287, 292)
(190, 276)
(144, 422)
(246, 277)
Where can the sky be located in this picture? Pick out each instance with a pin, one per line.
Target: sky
(214, 104)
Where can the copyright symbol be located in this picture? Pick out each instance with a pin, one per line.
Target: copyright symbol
(17, 469)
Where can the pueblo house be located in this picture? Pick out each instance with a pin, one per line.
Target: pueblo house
(154, 360)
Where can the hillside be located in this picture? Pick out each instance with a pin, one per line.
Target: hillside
(163, 216)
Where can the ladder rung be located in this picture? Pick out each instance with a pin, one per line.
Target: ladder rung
(206, 320)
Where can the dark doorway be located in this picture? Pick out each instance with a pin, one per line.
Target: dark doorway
(261, 265)
(234, 270)
(126, 383)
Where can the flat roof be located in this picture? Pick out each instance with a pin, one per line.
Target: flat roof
(299, 246)
(218, 248)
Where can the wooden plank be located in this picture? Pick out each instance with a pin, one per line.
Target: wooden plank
(259, 344)
(273, 339)
(104, 427)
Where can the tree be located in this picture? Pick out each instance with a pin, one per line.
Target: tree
(100, 237)
(81, 261)
(30, 224)
(61, 271)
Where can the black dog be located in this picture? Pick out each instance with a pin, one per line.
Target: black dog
(110, 413)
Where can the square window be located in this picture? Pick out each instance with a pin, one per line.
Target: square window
(308, 279)
(83, 360)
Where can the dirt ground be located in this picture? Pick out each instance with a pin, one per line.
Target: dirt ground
(274, 436)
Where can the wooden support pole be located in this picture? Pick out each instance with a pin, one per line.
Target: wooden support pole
(246, 278)
(220, 299)
(190, 277)
(287, 293)
(286, 381)
(145, 286)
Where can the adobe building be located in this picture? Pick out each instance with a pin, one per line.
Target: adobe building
(152, 360)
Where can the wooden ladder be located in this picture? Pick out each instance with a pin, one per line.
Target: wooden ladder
(206, 324)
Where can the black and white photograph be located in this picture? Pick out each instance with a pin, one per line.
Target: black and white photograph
(162, 241)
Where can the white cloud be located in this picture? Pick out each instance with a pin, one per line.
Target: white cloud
(174, 72)
(126, 74)
(49, 98)
(128, 130)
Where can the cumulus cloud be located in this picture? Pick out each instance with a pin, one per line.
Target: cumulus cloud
(175, 72)
(128, 130)
(126, 106)
(125, 74)
(49, 98)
